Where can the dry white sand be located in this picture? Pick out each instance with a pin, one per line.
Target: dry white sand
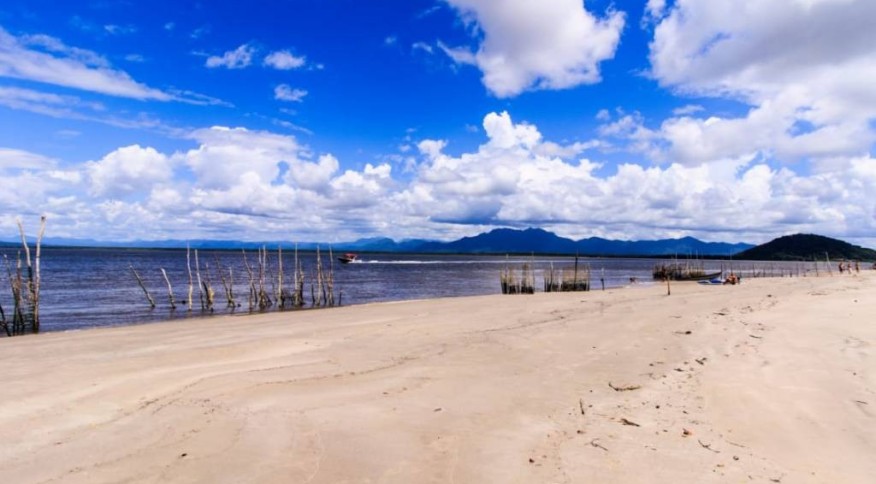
(770, 381)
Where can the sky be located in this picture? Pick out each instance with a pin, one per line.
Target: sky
(334, 120)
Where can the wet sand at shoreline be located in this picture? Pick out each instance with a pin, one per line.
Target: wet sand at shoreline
(773, 380)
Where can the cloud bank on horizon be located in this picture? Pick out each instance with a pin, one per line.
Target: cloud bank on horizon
(723, 119)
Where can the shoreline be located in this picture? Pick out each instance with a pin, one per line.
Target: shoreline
(763, 379)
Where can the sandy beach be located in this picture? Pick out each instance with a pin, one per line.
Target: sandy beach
(773, 380)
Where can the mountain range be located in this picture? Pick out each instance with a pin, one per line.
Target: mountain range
(498, 241)
(510, 241)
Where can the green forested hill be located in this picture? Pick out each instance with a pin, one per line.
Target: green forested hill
(806, 247)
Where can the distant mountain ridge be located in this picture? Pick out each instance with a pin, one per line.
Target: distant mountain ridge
(500, 241)
(497, 241)
(807, 247)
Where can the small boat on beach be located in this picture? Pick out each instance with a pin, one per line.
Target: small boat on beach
(348, 258)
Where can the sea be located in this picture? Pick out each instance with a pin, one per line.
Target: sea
(95, 287)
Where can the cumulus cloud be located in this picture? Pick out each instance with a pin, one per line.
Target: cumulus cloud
(284, 60)
(525, 45)
(45, 59)
(512, 179)
(241, 183)
(128, 170)
(285, 92)
(238, 58)
(313, 176)
(793, 62)
(224, 155)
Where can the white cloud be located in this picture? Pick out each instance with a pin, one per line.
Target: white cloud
(72, 107)
(250, 184)
(46, 103)
(12, 159)
(238, 58)
(527, 45)
(313, 176)
(654, 10)
(284, 92)
(517, 178)
(224, 155)
(114, 29)
(284, 60)
(71, 67)
(792, 61)
(422, 46)
(128, 170)
(688, 110)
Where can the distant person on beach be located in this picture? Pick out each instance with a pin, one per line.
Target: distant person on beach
(841, 267)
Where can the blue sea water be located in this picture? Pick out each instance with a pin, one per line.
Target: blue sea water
(83, 288)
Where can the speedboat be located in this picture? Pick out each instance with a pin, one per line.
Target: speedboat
(348, 257)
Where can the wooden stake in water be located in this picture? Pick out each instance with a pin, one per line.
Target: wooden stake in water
(32, 286)
(191, 282)
(198, 275)
(252, 288)
(169, 290)
(143, 286)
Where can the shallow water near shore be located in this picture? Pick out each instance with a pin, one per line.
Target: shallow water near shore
(84, 288)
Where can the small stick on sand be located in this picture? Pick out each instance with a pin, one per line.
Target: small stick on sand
(708, 447)
(595, 443)
(629, 422)
(581, 406)
(624, 388)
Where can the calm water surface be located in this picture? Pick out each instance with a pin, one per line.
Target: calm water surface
(84, 288)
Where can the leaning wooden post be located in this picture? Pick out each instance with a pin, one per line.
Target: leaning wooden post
(169, 290)
(191, 285)
(227, 284)
(143, 286)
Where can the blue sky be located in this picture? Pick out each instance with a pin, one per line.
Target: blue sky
(334, 120)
